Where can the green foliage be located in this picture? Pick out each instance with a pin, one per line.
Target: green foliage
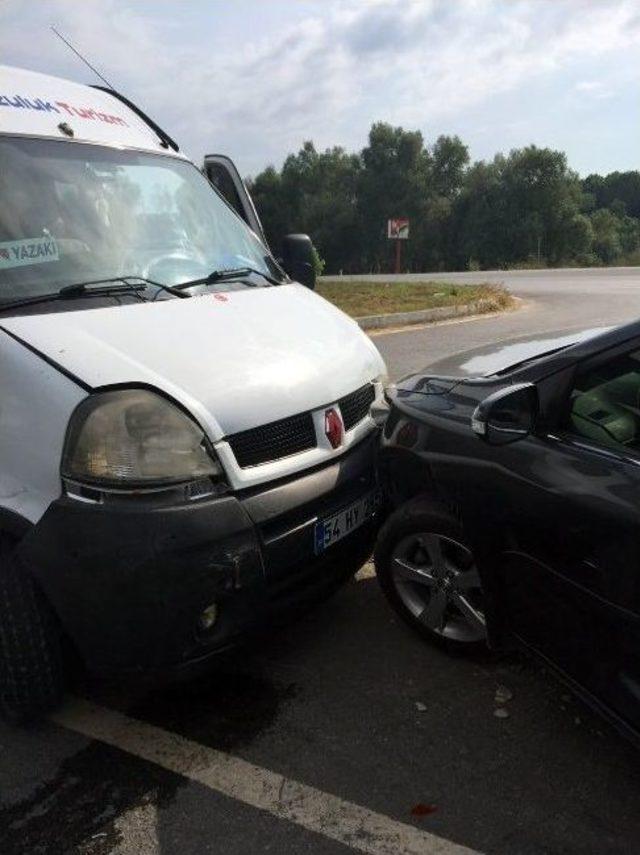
(359, 299)
(629, 233)
(606, 238)
(318, 263)
(527, 208)
(617, 186)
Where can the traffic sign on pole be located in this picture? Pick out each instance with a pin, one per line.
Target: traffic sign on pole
(398, 230)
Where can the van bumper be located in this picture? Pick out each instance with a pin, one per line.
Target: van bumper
(129, 583)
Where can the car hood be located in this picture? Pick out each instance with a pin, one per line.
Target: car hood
(235, 360)
(499, 357)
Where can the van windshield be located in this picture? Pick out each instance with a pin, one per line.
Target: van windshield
(72, 212)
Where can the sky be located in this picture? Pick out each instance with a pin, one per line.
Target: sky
(254, 79)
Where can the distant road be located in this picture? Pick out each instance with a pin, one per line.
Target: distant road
(555, 300)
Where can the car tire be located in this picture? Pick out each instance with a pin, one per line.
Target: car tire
(31, 662)
(425, 567)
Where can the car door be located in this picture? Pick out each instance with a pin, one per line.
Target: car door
(223, 174)
(570, 574)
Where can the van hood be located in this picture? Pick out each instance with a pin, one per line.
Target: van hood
(234, 360)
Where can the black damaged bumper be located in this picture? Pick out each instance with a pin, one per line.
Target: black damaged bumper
(129, 583)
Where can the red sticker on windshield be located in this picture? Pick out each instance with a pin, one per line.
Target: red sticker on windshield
(221, 298)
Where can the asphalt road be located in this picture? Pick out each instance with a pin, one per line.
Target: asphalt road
(553, 300)
(347, 702)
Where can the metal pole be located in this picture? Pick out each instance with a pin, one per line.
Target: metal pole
(398, 256)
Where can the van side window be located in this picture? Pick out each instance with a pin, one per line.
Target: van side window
(605, 404)
(223, 182)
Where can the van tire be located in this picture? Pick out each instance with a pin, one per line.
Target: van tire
(31, 663)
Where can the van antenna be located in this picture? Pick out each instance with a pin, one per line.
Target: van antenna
(79, 55)
(165, 139)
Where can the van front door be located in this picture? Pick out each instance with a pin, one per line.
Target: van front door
(223, 174)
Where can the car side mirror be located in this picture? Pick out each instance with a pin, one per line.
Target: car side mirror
(298, 259)
(507, 415)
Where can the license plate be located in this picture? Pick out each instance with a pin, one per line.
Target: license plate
(334, 528)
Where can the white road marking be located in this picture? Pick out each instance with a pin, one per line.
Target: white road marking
(357, 827)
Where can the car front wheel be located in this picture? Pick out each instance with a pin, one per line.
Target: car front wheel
(426, 568)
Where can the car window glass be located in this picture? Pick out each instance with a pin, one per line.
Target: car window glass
(605, 403)
(221, 178)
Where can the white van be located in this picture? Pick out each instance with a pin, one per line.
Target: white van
(186, 439)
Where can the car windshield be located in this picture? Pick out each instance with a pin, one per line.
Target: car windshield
(71, 213)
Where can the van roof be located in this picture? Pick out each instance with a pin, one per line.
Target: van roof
(37, 104)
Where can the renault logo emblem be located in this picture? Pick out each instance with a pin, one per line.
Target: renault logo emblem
(333, 427)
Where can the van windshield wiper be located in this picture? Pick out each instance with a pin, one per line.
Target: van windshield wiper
(109, 286)
(95, 288)
(226, 276)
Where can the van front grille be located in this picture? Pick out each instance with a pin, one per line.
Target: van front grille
(355, 406)
(294, 434)
(273, 441)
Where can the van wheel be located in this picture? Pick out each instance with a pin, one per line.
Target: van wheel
(31, 667)
(426, 569)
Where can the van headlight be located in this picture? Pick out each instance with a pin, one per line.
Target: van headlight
(135, 438)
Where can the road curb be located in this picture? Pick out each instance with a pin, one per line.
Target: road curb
(424, 316)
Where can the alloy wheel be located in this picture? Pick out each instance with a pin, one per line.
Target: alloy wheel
(436, 578)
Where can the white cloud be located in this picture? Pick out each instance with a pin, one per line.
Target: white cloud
(593, 88)
(327, 75)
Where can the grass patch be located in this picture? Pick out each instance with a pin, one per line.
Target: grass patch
(359, 299)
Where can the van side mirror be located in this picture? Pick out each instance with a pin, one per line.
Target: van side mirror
(507, 415)
(298, 258)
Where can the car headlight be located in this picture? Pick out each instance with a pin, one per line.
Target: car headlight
(135, 437)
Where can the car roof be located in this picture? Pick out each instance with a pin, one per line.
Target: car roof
(37, 104)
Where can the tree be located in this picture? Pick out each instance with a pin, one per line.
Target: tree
(449, 161)
(606, 238)
(524, 208)
(393, 183)
(314, 193)
(579, 239)
(621, 186)
(268, 196)
(629, 234)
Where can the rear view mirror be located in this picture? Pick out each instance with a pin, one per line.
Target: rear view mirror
(298, 259)
(507, 415)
